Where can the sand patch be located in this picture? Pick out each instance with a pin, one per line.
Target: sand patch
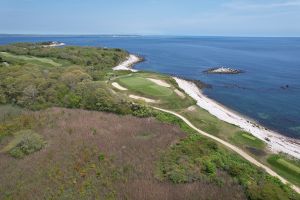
(191, 108)
(179, 93)
(143, 98)
(118, 86)
(159, 82)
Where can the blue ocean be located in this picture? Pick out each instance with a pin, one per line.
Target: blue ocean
(268, 91)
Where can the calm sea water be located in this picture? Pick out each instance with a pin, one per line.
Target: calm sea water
(269, 64)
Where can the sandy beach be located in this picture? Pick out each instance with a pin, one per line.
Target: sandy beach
(276, 141)
(127, 64)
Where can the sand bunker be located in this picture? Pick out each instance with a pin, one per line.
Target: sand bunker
(159, 82)
(118, 86)
(179, 93)
(142, 98)
(192, 108)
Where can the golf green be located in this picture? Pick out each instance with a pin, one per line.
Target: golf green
(144, 86)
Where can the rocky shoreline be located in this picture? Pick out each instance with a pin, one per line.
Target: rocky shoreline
(276, 142)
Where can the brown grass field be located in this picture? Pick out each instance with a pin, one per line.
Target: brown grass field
(94, 155)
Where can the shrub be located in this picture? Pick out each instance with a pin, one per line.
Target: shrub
(101, 157)
(178, 175)
(141, 110)
(72, 100)
(209, 167)
(25, 142)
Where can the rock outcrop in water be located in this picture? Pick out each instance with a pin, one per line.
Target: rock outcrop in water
(223, 70)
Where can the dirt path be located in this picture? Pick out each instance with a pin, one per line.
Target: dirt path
(232, 147)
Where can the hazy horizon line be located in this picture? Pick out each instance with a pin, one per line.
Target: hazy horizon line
(140, 35)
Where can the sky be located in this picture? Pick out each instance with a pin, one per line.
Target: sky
(152, 17)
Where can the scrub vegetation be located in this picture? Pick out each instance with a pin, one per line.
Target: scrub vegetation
(88, 158)
(52, 135)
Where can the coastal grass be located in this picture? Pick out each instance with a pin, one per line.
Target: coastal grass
(244, 138)
(203, 120)
(228, 132)
(286, 167)
(12, 57)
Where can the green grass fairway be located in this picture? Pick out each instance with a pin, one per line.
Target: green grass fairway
(144, 86)
(286, 168)
(139, 84)
(30, 59)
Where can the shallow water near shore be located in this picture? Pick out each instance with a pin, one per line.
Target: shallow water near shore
(268, 91)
